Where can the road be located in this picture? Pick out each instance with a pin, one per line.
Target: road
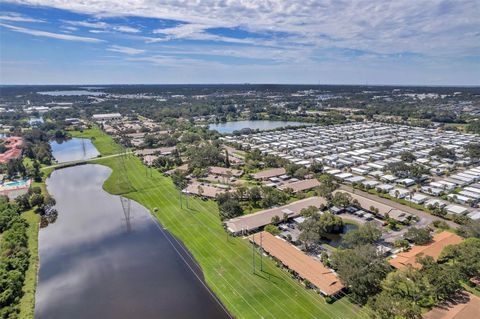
(83, 161)
(425, 218)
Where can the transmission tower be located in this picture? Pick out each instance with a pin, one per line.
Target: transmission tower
(83, 147)
(126, 206)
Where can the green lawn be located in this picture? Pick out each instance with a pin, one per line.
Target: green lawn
(226, 262)
(103, 142)
(27, 302)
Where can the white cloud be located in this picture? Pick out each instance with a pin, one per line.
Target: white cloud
(426, 27)
(125, 50)
(100, 25)
(59, 36)
(87, 24)
(430, 28)
(69, 28)
(16, 17)
(126, 29)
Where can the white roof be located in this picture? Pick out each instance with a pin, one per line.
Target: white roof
(455, 209)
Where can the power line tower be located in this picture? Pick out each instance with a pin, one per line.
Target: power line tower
(126, 206)
(84, 149)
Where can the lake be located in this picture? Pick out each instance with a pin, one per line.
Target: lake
(230, 127)
(73, 149)
(71, 93)
(96, 264)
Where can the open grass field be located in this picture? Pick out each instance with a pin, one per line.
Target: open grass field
(27, 303)
(226, 261)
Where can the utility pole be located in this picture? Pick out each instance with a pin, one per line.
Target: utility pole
(253, 253)
(261, 252)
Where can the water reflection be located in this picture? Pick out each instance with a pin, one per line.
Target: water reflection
(229, 127)
(92, 267)
(73, 149)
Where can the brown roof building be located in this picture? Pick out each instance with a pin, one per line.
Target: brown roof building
(439, 242)
(306, 267)
(274, 172)
(466, 308)
(383, 209)
(13, 145)
(204, 190)
(259, 219)
(223, 171)
(301, 186)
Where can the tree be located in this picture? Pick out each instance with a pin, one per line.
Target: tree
(202, 156)
(387, 306)
(442, 279)
(465, 257)
(403, 170)
(471, 228)
(367, 233)
(36, 199)
(443, 152)
(316, 167)
(254, 195)
(228, 206)
(361, 269)
(300, 173)
(275, 219)
(272, 229)
(407, 157)
(309, 211)
(329, 223)
(317, 226)
(473, 150)
(341, 199)
(200, 190)
(227, 159)
(327, 186)
(309, 234)
(291, 168)
(401, 243)
(418, 236)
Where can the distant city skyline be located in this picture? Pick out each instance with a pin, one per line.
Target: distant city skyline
(208, 42)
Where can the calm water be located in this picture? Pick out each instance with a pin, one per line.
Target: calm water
(73, 149)
(335, 240)
(71, 93)
(230, 127)
(93, 266)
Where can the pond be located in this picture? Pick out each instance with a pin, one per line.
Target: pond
(230, 127)
(73, 149)
(96, 263)
(335, 240)
(71, 93)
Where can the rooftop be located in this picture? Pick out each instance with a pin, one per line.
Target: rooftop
(305, 266)
(439, 242)
(264, 217)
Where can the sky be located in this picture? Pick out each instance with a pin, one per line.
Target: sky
(401, 42)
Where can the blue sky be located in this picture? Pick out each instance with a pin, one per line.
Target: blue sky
(235, 41)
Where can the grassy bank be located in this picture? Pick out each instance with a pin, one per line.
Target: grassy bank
(27, 302)
(226, 261)
(103, 142)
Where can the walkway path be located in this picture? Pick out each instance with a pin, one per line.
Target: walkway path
(83, 161)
